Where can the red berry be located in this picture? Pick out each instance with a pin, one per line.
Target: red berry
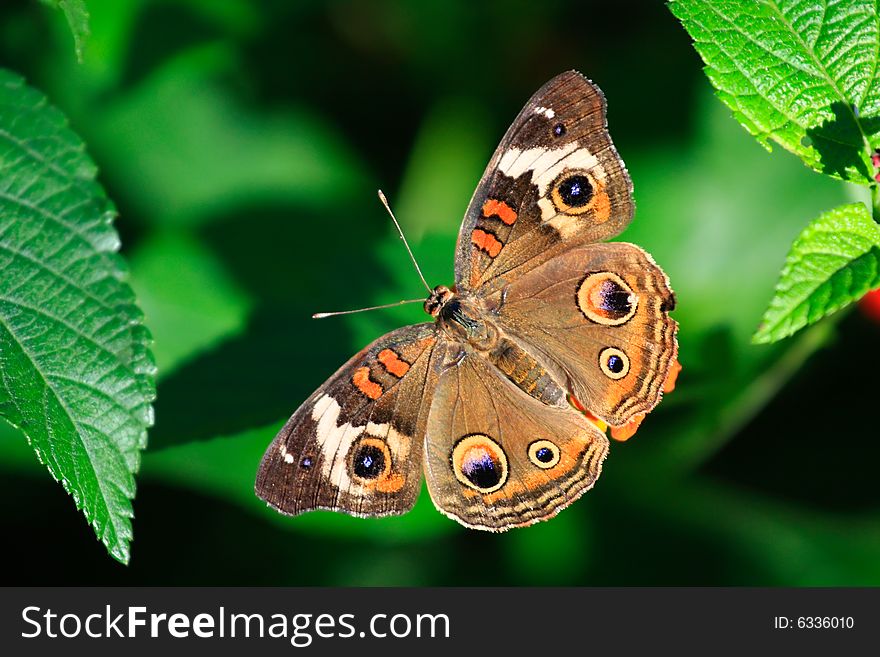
(870, 305)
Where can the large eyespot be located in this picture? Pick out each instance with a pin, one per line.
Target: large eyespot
(572, 192)
(544, 454)
(605, 298)
(479, 463)
(614, 363)
(370, 458)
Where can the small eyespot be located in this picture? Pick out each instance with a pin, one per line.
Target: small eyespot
(605, 298)
(544, 454)
(572, 192)
(479, 463)
(558, 130)
(370, 458)
(306, 463)
(614, 363)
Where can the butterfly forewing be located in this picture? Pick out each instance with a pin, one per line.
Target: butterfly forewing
(356, 444)
(555, 181)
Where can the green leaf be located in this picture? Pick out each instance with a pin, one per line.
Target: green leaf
(76, 373)
(834, 261)
(77, 15)
(802, 73)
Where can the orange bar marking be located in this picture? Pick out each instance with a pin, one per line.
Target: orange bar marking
(486, 242)
(500, 209)
(361, 379)
(393, 363)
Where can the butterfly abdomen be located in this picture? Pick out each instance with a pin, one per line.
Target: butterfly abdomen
(524, 371)
(467, 322)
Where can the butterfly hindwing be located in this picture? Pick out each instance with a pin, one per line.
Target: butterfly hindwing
(496, 457)
(555, 181)
(597, 318)
(356, 444)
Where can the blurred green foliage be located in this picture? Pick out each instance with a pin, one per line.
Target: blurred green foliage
(243, 142)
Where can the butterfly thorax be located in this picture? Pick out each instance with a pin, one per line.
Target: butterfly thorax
(461, 318)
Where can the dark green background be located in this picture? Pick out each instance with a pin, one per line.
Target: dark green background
(243, 142)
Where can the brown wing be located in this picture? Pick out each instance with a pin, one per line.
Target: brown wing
(356, 444)
(554, 182)
(597, 318)
(497, 458)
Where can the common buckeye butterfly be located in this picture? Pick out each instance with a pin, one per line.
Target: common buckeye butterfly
(547, 335)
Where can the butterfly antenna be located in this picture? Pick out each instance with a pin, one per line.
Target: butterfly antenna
(412, 257)
(405, 243)
(360, 310)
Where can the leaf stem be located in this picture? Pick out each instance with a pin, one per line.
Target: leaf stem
(875, 203)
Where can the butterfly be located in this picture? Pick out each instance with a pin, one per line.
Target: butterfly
(547, 335)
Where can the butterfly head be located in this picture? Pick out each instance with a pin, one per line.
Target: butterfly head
(439, 297)
(462, 318)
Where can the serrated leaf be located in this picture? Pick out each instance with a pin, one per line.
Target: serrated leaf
(77, 15)
(802, 73)
(834, 261)
(76, 373)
